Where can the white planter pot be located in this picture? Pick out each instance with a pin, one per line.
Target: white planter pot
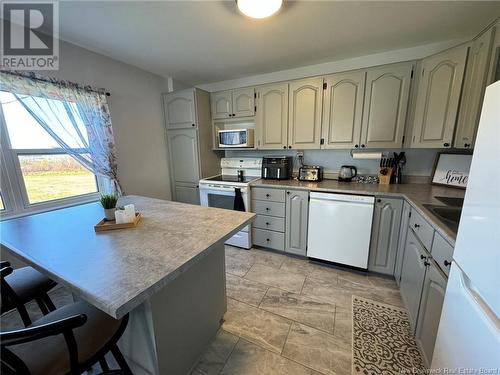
(109, 213)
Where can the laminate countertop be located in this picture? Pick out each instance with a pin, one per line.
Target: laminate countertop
(118, 270)
(415, 194)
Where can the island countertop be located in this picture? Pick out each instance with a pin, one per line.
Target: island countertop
(118, 270)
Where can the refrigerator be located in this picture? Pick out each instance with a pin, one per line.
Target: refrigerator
(468, 337)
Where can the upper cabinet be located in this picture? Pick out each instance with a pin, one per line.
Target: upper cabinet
(272, 116)
(385, 106)
(179, 108)
(222, 104)
(233, 103)
(343, 110)
(304, 113)
(474, 85)
(494, 66)
(438, 98)
(243, 102)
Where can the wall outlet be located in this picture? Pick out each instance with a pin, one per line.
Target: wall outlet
(300, 154)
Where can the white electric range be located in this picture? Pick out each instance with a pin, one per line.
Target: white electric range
(221, 191)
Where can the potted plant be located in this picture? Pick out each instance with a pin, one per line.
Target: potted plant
(108, 202)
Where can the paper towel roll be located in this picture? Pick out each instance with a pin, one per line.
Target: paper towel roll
(367, 155)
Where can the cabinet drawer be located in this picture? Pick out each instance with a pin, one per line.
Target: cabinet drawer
(264, 194)
(442, 252)
(268, 238)
(270, 222)
(422, 229)
(268, 208)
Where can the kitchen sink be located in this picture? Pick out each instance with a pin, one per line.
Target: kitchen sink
(451, 201)
(450, 216)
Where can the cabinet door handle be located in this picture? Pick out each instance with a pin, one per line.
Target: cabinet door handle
(267, 195)
(422, 256)
(193, 124)
(267, 239)
(426, 263)
(362, 146)
(446, 263)
(379, 200)
(288, 192)
(417, 226)
(356, 146)
(267, 208)
(446, 144)
(284, 146)
(267, 223)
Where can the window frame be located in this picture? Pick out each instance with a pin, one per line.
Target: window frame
(14, 193)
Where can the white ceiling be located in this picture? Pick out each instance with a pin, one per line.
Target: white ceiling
(209, 41)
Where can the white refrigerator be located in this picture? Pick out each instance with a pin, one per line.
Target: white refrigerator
(469, 331)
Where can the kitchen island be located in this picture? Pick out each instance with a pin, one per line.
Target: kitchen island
(168, 272)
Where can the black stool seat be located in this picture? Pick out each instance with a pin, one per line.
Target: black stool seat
(49, 355)
(27, 283)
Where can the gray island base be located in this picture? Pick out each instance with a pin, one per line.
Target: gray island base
(168, 273)
(168, 332)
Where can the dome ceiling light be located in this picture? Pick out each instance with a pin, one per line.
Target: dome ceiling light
(259, 8)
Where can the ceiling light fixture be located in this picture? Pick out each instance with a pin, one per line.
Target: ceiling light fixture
(259, 8)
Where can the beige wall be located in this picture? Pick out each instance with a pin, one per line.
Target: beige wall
(136, 113)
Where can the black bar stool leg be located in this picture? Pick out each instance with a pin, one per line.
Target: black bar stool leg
(121, 361)
(42, 306)
(104, 364)
(24, 315)
(48, 302)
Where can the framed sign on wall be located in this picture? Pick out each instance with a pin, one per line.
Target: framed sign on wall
(452, 169)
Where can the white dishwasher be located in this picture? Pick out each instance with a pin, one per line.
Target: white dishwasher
(340, 227)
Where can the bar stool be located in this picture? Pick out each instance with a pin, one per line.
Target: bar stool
(69, 340)
(23, 285)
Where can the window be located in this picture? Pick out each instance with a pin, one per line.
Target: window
(41, 174)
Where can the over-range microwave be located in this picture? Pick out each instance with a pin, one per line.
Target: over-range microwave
(235, 138)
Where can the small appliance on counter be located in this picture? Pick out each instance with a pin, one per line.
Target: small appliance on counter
(277, 167)
(235, 138)
(347, 172)
(311, 173)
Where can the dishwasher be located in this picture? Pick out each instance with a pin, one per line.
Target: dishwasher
(340, 227)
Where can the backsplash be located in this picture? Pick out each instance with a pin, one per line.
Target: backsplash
(419, 161)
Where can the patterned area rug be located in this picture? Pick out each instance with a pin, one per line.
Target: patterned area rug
(382, 341)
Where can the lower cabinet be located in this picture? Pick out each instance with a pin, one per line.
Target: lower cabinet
(297, 210)
(403, 231)
(429, 315)
(385, 235)
(268, 238)
(187, 193)
(412, 275)
(281, 222)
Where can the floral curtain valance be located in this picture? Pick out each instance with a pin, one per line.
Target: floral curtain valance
(75, 117)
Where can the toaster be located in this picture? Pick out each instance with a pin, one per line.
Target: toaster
(310, 173)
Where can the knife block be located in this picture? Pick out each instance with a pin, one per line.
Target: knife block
(384, 175)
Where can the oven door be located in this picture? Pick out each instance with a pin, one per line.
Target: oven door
(221, 196)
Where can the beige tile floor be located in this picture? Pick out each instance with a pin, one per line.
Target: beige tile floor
(286, 315)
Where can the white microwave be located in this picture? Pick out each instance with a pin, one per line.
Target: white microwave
(235, 138)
